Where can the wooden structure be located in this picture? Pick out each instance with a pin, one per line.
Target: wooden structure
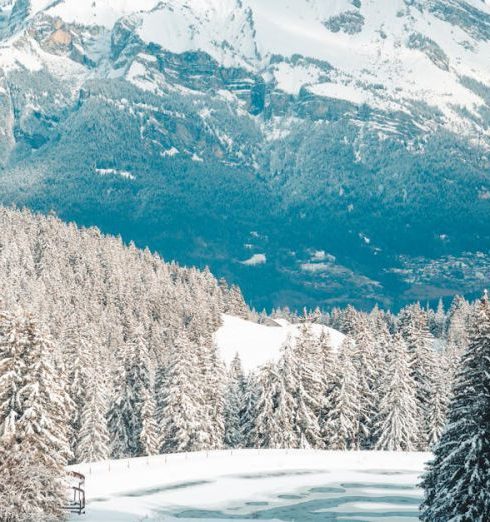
(76, 502)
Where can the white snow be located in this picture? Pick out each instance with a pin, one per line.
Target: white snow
(366, 239)
(138, 75)
(39, 5)
(165, 485)
(104, 13)
(172, 151)
(321, 255)
(361, 61)
(347, 92)
(382, 491)
(256, 259)
(19, 55)
(377, 506)
(290, 78)
(258, 344)
(315, 267)
(114, 172)
(217, 27)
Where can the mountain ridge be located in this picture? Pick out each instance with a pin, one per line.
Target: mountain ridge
(356, 129)
(236, 33)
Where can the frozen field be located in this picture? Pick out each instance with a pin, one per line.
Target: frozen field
(294, 485)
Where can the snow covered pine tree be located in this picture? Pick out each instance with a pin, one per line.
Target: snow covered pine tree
(34, 446)
(457, 482)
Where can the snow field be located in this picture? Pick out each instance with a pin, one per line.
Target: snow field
(258, 344)
(167, 485)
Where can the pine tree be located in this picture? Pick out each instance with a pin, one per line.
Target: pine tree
(348, 321)
(288, 401)
(29, 489)
(457, 481)
(93, 437)
(212, 376)
(235, 304)
(160, 391)
(133, 393)
(234, 405)
(329, 378)
(381, 352)
(34, 445)
(438, 326)
(249, 411)
(327, 358)
(79, 348)
(13, 349)
(285, 436)
(439, 400)
(266, 431)
(309, 392)
(365, 360)
(457, 334)
(396, 424)
(149, 438)
(122, 419)
(415, 331)
(45, 402)
(185, 414)
(341, 426)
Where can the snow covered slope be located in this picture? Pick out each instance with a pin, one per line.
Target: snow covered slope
(257, 344)
(285, 485)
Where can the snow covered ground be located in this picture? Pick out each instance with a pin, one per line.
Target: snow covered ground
(284, 485)
(258, 344)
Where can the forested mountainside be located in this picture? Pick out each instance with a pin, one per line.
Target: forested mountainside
(313, 152)
(80, 281)
(107, 351)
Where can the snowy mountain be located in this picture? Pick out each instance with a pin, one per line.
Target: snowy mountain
(358, 131)
(386, 54)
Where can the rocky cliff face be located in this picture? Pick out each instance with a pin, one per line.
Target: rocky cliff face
(343, 144)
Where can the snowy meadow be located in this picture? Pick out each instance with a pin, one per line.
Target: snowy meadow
(286, 485)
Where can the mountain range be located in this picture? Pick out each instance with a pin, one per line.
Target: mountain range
(316, 153)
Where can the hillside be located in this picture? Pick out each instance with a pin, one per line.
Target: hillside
(316, 153)
(258, 344)
(92, 290)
